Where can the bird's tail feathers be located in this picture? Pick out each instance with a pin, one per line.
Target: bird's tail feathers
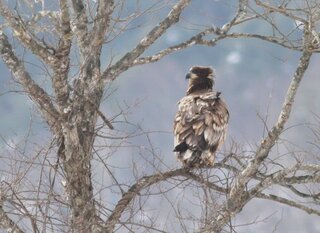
(197, 159)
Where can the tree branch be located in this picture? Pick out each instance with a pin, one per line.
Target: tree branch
(281, 10)
(222, 33)
(35, 92)
(61, 66)
(197, 39)
(26, 37)
(273, 135)
(7, 223)
(287, 202)
(238, 197)
(134, 190)
(147, 181)
(128, 59)
(101, 23)
(81, 28)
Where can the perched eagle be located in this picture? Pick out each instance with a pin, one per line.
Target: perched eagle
(201, 122)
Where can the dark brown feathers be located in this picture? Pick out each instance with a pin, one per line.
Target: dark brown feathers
(199, 84)
(201, 71)
(201, 121)
(201, 78)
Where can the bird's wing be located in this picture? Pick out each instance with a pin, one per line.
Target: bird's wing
(201, 121)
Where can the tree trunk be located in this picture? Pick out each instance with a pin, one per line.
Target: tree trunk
(76, 153)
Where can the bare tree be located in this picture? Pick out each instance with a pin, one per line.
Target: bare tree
(67, 39)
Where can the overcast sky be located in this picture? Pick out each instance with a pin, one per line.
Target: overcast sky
(252, 75)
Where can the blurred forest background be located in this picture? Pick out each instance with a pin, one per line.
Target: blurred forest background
(252, 75)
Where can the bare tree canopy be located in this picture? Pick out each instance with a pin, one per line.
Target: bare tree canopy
(87, 172)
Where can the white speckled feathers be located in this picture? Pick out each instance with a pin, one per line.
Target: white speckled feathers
(200, 128)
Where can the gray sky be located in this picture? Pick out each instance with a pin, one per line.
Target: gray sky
(252, 75)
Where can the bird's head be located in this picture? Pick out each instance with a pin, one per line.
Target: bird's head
(201, 78)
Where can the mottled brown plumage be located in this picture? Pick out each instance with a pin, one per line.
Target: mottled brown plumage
(201, 122)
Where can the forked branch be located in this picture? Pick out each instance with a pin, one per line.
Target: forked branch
(128, 59)
(35, 92)
(238, 197)
(6, 222)
(25, 35)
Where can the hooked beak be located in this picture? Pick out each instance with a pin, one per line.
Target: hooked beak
(188, 76)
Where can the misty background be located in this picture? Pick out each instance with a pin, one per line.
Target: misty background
(252, 75)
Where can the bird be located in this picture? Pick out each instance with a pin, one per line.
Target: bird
(201, 122)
